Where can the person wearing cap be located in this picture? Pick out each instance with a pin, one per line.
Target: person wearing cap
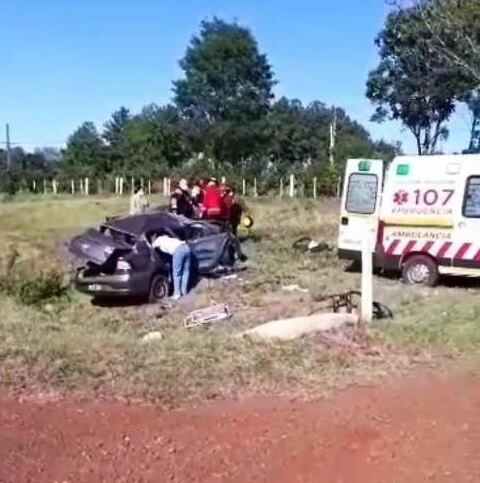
(213, 200)
(138, 202)
(181, 202)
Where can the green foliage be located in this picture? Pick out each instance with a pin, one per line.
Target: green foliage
(226, 91)
(85, 152)
(224, 122)
(30, 287)
(410, 83)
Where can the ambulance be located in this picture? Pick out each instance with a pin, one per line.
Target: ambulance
(420, 215)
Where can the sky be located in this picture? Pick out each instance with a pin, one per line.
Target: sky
(63, 62)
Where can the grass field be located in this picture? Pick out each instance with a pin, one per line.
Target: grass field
(70, 344)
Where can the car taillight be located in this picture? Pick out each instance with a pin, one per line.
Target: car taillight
(123, 265)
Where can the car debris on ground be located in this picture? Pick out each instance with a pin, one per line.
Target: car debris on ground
(209, 315)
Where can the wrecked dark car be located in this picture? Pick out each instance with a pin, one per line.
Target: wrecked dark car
(119, 260)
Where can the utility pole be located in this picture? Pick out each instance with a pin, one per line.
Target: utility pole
(333, 135)
(9, 159)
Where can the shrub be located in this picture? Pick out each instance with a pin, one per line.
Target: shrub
(28, 285)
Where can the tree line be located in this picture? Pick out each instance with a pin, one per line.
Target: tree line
(223, 119)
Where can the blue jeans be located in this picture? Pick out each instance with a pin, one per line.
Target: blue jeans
(181, 261)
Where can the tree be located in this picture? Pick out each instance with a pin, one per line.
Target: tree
(473, 103)
(410, 83)
(113, 133)
(454, 31)
(85, 152)
(226, 93)
(153, 142)
(112, 129)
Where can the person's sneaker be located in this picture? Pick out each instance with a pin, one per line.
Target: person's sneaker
(175, 297)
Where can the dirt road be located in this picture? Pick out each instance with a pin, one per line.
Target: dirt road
(425, 427)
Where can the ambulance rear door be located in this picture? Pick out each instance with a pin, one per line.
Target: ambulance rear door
(360, 206)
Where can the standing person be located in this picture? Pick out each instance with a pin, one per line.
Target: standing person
(231, 208)
(181, 262)
(198, 195)
(138, 202)
(213, 200)
(181, 202)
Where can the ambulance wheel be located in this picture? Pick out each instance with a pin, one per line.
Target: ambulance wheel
(420, 270)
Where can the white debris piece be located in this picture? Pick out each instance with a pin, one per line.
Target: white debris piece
(288, 329)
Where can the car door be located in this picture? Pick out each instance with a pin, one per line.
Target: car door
(360, 203)
(208, 251)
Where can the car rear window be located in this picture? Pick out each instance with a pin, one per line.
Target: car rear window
(362, 193)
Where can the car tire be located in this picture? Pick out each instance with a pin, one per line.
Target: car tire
(420, 270)
(159, 289)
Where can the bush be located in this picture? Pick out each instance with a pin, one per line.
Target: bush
(28, 286)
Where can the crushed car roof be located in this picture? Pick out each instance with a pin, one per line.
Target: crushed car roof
(140, 224)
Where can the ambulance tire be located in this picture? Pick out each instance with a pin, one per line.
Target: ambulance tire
(420, 270)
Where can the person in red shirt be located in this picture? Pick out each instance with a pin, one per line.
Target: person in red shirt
(212, 201)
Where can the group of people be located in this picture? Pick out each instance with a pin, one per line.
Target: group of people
(203, 200)
(206, 200)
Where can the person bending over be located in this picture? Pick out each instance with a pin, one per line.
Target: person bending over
(181, 262)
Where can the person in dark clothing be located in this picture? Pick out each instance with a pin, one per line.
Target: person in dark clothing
(181, 202)
(231, 209)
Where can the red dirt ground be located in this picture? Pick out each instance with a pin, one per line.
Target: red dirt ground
(425, 427)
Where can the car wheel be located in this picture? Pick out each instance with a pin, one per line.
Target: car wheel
(159, 289)
(420, 270)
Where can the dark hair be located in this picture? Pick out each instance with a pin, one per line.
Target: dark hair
(138, 187)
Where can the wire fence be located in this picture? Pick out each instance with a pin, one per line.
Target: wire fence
(291, 186)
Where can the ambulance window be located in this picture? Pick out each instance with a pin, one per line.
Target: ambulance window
(471, 202)
(362, 193)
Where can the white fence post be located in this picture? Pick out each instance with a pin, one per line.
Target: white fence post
(116, 185)
(132, 188)
(244, 187)
(44, 186)
(169, 186)
(367, 278)
(223, 179)
(281, 187)
(255, 191)
(292, 186)
(120, 185)
(34, 186)
(149, 187)
(54, 187)
(164, 187)
(72, 186)
(87, 187)
(315, 187)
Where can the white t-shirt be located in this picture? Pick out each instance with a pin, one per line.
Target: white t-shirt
(167, 244)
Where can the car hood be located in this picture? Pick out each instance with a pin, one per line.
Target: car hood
(96, 247)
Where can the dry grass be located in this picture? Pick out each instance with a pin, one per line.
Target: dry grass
(72, 344)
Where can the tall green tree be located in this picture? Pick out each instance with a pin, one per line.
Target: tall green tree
(153, 142)
(454, 31)
(113, 134)
(410, 83)
(226, 92)
(85, 152)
